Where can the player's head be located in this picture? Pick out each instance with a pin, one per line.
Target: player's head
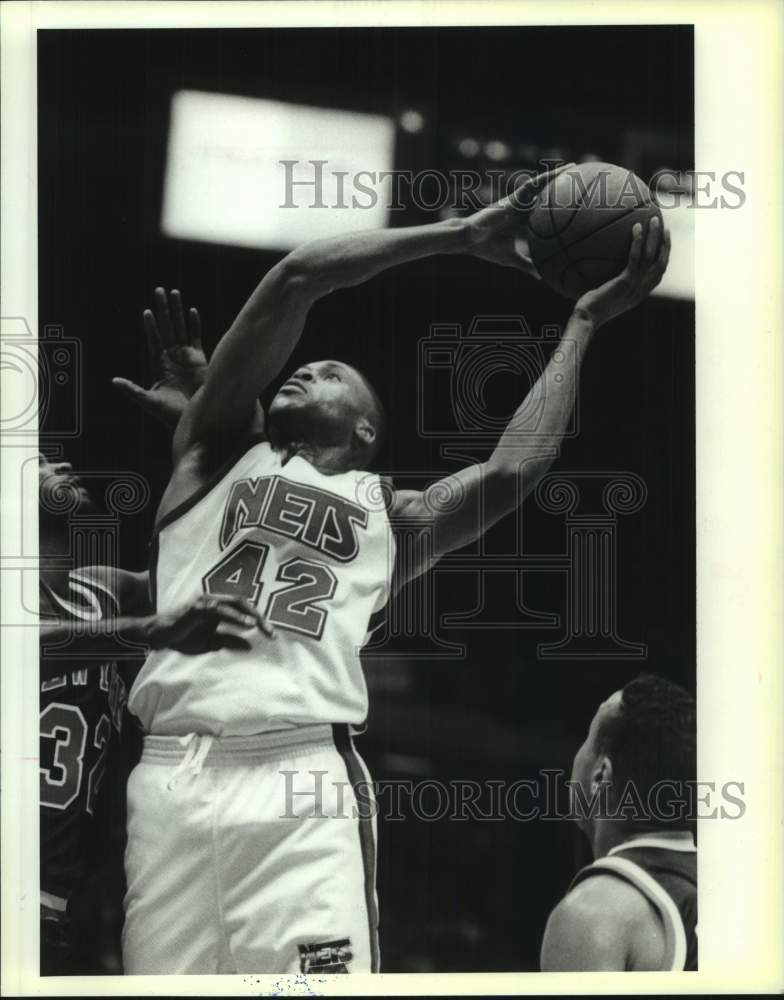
(331, 405)
(60, 492)
(641, 746)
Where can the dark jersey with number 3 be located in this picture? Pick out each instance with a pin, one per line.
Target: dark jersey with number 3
(81, 712)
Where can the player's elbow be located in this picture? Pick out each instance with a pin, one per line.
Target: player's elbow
(299, 276)
(515, 475)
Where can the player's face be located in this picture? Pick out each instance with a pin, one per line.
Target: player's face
(588, 756)
(58, 484)
(328, 395)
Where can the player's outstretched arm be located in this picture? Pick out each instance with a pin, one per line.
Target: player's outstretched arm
(461, 507)
(262, 337)
(267, 329)
(206, 624)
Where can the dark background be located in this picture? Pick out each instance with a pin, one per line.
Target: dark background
(454, 895)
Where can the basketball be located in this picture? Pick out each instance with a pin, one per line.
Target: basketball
(580, 229)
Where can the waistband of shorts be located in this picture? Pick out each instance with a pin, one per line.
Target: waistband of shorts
(233, 750)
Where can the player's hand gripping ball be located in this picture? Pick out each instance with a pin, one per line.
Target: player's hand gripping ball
(580, 231)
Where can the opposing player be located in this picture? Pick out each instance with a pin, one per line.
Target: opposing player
(228, 868)
(635, 908)
(89, 616)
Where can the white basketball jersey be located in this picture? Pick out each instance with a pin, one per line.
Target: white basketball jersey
(315, 553)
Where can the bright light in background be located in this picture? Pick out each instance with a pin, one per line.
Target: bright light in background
(678, 280)
(497, 150)
(226, 183)
(412, 121)
(468, 147)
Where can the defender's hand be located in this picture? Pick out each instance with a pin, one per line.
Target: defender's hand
(496, 233)
(209, 623)
(176, 356)
(648, 257)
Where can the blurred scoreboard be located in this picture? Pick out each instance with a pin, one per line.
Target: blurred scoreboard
(270, 174)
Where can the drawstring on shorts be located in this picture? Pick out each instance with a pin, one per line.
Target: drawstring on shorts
(197, 747)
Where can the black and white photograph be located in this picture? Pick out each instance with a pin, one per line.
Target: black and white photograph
(355, 519)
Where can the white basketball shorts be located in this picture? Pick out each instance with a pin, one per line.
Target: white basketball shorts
(251, 854)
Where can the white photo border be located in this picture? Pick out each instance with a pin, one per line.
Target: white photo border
(739, 84)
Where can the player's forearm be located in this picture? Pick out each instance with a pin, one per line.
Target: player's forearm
(341, 261)
(529, 451)
(102, 639)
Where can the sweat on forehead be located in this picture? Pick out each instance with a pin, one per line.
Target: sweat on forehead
(338, 365)
(343, 368)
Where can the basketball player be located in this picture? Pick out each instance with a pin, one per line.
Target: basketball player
(231, 863)
(635, 908)
(83, 694)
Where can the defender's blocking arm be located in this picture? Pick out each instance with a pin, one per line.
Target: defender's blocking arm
(205, 625)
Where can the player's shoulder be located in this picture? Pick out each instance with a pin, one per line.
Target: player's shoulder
(598, 902)
(202, 466)
(606, 896)
(594, 925)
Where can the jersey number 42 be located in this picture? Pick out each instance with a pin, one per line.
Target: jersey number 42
(294, 606)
